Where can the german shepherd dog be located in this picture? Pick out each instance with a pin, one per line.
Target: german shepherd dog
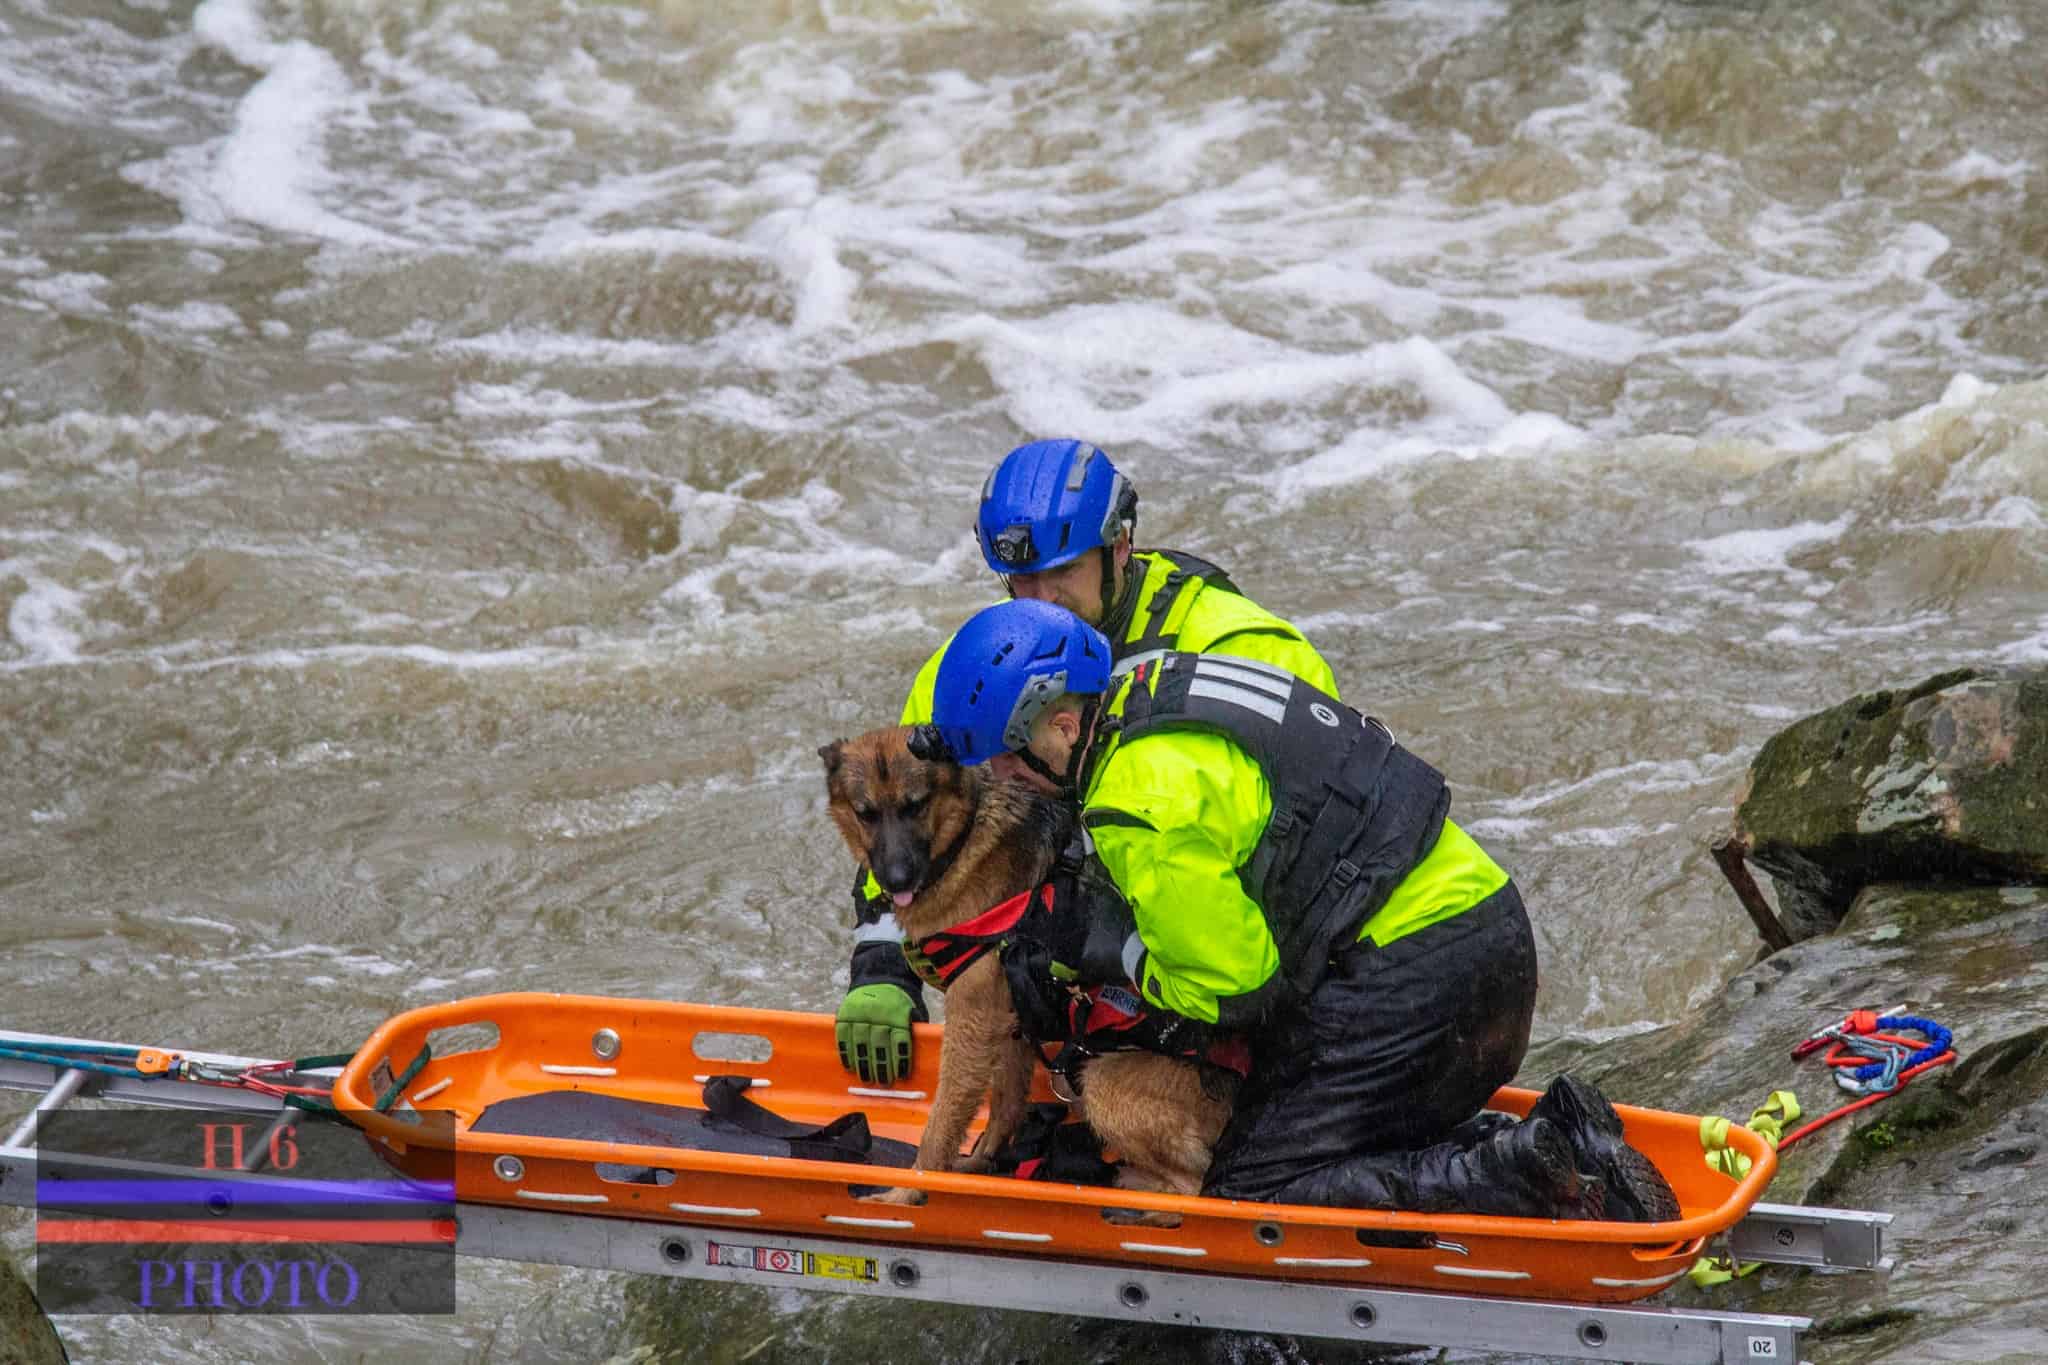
(947, 843)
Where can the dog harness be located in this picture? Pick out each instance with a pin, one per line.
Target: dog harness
(1098, 1019)
(1114, 1019)
(940, 957)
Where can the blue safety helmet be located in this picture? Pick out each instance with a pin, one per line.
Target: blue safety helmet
(1004, 667)
(1050, 502)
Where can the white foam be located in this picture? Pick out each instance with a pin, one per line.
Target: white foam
(68, 292)
(201, 922)
(1766, 549)
(2032, 649)
(1502, 828)
(47, 622)
(1613, 836)
(272, 170)
(191, 316)
(1645, 776)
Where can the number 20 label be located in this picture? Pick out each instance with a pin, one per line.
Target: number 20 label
(1763, 1348)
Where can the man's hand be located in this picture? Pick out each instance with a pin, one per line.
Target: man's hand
(874, 1033)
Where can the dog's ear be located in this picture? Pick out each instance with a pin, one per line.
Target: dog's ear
(928, 742)
(832, 755)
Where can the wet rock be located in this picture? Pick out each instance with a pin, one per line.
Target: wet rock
(26, 1335)
(1946, 782)
(1957, 1156)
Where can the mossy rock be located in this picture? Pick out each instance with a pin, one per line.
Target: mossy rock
(26, 1335)
(1943, 783)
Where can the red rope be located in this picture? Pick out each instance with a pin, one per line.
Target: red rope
(1824, 1120)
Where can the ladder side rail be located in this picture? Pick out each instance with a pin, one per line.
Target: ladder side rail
(1793, 1234)
(1137, 1292)
(1134, 1292)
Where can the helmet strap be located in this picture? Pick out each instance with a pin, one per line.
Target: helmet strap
(1117, 607)
(1044, 770)
(1081, 759)
(1068, 782)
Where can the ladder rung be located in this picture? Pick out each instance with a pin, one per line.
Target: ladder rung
(56, 1097)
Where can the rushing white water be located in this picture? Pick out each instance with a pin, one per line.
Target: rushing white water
(458, 460)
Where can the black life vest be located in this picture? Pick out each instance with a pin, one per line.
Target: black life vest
(1353, 811)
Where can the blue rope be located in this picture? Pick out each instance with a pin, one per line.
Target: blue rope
(72, 1063)
(89, 1049)
(1890, 1059)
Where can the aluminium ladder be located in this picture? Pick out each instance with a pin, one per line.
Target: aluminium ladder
(1779, 1233)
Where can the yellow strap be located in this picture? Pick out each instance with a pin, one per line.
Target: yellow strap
(1768, 1120)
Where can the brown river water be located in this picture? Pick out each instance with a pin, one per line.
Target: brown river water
(458, 460)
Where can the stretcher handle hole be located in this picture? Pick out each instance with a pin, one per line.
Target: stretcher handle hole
(1268, 1234)
(1593, 1334)
(1665, 1251)
(1363, 1315)
(478, 1035)
(675, 1251)
(714, 1046)
(1132, 1295)
(1394, 1239)
(903, 1274)
(634, 1175)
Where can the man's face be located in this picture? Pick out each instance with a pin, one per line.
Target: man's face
(1052, 742)
(1075, 585)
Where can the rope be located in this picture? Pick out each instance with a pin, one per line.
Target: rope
(1867, 1061)
(418, 1063)
(1871, 1063)
(72, 1063)
(150, 1064)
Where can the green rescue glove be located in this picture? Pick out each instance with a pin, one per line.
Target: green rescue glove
(874, 1033)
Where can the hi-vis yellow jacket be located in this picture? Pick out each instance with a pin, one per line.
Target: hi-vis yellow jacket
(1181, 809)
(1181, 603)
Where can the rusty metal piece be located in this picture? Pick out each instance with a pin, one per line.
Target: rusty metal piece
(1732, 854)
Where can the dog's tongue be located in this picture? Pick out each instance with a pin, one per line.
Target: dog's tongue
(903, 898)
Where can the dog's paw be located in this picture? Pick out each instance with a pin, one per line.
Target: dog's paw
(977, 1164)
(908, 1198)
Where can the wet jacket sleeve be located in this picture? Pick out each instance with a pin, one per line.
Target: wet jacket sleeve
(917, 707)
(1173, 817)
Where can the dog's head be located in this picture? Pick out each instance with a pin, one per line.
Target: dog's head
(900, 802)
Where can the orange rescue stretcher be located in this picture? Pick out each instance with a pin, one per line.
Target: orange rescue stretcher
(574, 1064)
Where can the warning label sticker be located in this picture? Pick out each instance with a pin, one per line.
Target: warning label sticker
(782, 1261)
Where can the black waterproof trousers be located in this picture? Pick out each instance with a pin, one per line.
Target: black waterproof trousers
(1368, 1095)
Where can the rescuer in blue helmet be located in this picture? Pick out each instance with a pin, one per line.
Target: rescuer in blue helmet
(1262, 860)
(1055, 524)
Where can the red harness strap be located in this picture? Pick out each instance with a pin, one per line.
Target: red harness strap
(1114, 1018)
(939, 957)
